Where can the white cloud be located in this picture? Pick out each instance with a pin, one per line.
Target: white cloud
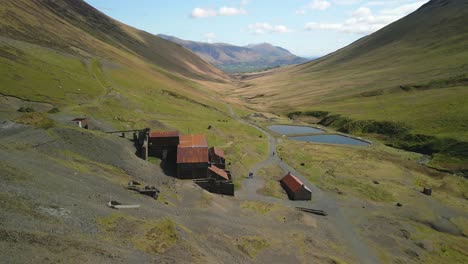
(404, 9)
(199, 12)
(263, 28)
(363, 21)
(313, 25)
(231, 11)
(281, 29)
(314, 5)
(210, 37)
(362, 12)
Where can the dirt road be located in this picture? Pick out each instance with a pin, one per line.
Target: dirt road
(337, 213)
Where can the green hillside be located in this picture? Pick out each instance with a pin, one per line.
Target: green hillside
(413, 72)
(63, 59)
(68, 54)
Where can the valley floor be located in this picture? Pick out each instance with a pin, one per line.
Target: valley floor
(56, 182)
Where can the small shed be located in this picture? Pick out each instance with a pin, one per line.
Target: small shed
(81, 122)
(218, 173)
(217, 157)
(295, 189)
(192, 157)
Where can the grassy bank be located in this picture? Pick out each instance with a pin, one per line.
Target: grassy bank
(376, 173)
(447, 153)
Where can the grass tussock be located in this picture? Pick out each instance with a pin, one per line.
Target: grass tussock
(54, 110)
(259, 207)
(38, 120)
(23, 109)
(272, 175)
(159, 237)
(445, 248)
(252, 245)
(14, 203)
(365, 190)
(149, 236)
(462, 224)
(205, 201)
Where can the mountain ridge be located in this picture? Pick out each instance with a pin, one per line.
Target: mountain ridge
(234, 59)
(77, 17)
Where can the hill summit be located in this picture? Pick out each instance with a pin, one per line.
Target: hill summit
(235, 59)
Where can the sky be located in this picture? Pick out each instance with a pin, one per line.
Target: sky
(308, 28)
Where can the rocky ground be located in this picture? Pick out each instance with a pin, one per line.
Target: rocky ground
(55, 182)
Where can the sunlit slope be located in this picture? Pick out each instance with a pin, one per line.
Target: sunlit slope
(413, 72)
(58, 51)
(428, 45)
(68, 25)
(70, 55)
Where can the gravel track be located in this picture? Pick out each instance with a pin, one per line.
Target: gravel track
(337, 215)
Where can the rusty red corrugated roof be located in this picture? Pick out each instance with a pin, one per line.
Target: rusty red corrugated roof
(190, 141)
(292, 182)
(218, 152)
(219, 172)
(192, 154)
(162, 134)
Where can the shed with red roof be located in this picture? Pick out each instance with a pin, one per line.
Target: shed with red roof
(295, 189)
(81, 122)
(218, 173)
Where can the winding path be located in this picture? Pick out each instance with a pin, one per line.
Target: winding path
(338, 216)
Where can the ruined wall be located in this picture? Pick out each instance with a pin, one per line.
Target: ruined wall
(219, 187)
(192, 170)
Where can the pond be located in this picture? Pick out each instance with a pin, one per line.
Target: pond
(294, 130)
(332, 139)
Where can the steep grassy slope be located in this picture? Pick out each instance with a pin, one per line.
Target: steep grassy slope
(237, 59)
(413, 71)
(68, 25)
(70, 55)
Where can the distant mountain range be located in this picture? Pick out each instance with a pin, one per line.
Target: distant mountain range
(234, 59)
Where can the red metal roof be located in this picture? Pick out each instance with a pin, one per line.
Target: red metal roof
(192, 154)
(161, 134)
(219, 172)
(190, 141)
(292, 182)
(218, 152)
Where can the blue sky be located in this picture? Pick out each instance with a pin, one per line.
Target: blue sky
(305, 27)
